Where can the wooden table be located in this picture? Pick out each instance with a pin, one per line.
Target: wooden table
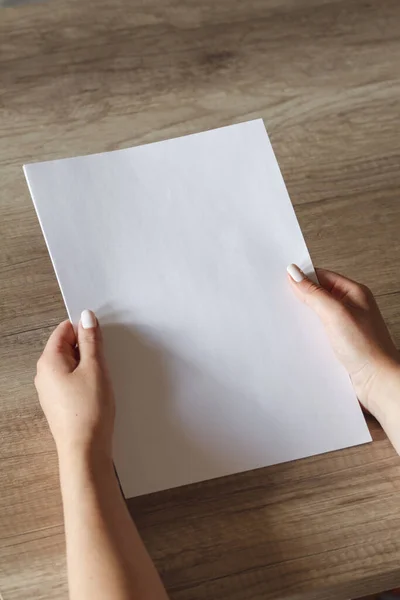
(79, 77)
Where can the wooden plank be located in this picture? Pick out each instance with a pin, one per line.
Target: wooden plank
(30, 498)
(357, 236)
(33, 566)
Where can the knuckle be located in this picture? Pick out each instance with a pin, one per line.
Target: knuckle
(90, 337)
(89, 365)
(364, 293)
(365, 290)
(311, 290)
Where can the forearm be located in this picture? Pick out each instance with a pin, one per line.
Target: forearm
(105, 555)
(385, 401)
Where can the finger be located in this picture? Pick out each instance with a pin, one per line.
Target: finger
(60, 348)
(89, 339)
(312, 294)
(342, 288)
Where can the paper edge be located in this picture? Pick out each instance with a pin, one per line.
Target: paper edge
(25, 169)
(55, 160)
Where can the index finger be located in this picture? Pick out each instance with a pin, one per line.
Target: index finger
(341, 287)
(60, 347)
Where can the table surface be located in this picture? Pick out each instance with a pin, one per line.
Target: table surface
(80, 77)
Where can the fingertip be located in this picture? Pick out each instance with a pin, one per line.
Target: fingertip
(60, 348)
(88, 319)
(65, 326)
(295, 273)
(322, 271)
(328, 279)
(64, 333)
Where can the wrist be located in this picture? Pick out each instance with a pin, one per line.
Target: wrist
(384, 390)
(88, 482)
(85, 458)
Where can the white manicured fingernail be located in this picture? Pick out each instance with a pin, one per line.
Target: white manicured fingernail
(295, 273)
(88, 319)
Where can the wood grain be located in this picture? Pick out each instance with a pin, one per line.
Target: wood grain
(79, 77)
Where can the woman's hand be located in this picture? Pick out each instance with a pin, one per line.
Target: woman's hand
(106, 557)
(360, 339)
(74, 388)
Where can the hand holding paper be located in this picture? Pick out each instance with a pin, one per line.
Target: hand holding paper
(360, 340)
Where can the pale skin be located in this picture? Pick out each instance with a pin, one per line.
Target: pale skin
(106, 557)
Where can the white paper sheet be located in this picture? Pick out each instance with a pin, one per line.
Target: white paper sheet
(181, 248)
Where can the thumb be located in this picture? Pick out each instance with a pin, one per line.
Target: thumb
(89, 339)
(311, 293)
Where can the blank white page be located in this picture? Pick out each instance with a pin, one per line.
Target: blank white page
(181, 248)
